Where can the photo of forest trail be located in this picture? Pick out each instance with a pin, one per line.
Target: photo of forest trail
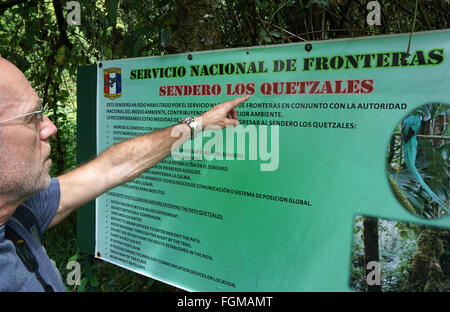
(411, 257)
(418, 161)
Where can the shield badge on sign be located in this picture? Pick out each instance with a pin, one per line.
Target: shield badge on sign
(113, 83)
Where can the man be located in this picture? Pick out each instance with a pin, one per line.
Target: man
(25, 184)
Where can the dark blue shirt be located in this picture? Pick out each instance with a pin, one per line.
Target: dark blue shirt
(13, 274)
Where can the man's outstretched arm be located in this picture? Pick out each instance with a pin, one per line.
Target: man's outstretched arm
(125, 161)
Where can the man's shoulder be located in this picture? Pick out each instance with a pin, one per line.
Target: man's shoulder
(13, 275)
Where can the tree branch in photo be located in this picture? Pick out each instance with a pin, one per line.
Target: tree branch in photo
(61, 23)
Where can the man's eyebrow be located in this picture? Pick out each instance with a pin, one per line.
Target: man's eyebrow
(36, 108)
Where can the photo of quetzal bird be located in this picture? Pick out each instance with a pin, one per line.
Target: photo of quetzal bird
(409, 131)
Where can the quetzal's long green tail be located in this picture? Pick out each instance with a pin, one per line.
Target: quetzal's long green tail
(410, 152)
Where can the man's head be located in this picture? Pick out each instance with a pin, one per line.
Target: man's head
(24, 146)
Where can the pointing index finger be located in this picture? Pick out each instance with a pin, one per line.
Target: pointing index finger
(237, 101)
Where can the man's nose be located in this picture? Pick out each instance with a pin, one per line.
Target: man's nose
(47, 129)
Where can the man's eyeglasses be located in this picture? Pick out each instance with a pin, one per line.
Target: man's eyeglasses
(39, 113)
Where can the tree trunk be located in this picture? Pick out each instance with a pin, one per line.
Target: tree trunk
(426, 273)
(370, 237)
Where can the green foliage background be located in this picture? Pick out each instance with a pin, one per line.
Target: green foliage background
(35, 36)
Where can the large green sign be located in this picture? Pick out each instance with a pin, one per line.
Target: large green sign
(269, 205)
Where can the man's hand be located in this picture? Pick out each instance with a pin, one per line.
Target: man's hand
(221, 115)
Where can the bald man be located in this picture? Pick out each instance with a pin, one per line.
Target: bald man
(27, 190)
